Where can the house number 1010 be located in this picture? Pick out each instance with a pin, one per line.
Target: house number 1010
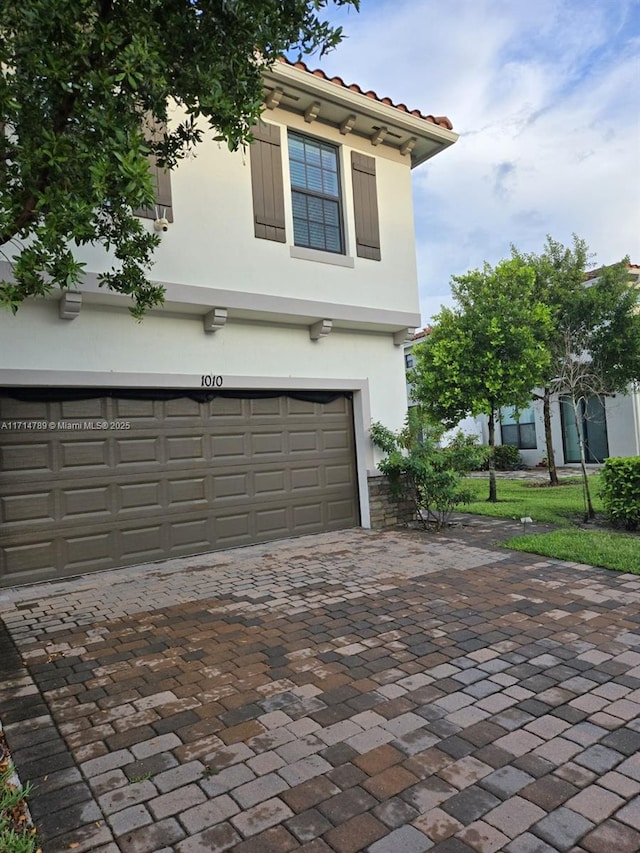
(211, 381)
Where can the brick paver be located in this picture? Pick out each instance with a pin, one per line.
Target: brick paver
(390, 692)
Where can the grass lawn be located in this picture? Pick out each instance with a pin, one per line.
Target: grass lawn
(562, 505)
(16, 834)
(593, 547)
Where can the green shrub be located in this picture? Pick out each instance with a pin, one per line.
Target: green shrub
(506, 455)
(420, 471)
(470, 443)
(620, 491)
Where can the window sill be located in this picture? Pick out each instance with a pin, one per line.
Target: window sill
(321, 257)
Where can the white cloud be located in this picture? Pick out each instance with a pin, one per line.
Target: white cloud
(545, 98)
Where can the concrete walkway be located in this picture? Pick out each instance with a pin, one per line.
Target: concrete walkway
(391, 692)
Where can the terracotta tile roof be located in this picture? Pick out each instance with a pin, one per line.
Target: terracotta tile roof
(441, 121)
(595, 273)
(422, 334)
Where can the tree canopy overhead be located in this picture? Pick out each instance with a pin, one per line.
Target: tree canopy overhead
(84, 90)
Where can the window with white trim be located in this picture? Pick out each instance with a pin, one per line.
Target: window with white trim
(315, 194)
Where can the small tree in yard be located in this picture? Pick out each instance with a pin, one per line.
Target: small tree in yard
(422, 472)
(487, 352)
(85, 86)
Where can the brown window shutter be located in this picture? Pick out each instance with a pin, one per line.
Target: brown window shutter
(266, 183)
(365, 206)
(162, 184)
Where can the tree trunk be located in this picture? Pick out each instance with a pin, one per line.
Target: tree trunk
(493, 493)
(551, 459)
(589, 511)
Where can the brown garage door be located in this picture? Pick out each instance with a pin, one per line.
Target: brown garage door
(167, 478)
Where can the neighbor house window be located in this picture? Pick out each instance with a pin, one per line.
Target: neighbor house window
(518, 428)
(315, 194)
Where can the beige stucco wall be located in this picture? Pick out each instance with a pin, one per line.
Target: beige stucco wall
(211, 241)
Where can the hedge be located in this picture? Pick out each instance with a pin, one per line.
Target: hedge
(620, 491)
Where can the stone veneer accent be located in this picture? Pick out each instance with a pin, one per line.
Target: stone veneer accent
(385, 510)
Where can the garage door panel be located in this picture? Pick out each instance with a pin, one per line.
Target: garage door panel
(191, 534)
(18, 410)
(338, 511)
(96, 409)
(268, 482)
(268, 407)
(19, 459)
(186, 477)
(187, 491)
(303, 441)
(185, 447)
(85, 454)
(267, 442)
(33, 561)
(139, 410)
(305, 478)
(272, 522)
(129, 451)
(140, 496)
(144, 543)
(228, 446)
(226, 409)
(78, 502)
(338, 475)
(230, 486)
(302, 408)
(182, 408)
(95, 550)
(232, 529)
(306, 516)
(335, 439)
(32, 507)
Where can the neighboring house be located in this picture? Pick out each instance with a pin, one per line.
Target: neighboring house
(611, 424)
(240, 411)
(409, 359)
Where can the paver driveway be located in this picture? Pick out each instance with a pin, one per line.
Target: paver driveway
(391, 692)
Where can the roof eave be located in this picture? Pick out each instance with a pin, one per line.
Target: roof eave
(420, 138)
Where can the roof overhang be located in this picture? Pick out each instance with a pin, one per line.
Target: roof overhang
(321, 100)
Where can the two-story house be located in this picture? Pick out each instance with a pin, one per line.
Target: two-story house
(239, 412)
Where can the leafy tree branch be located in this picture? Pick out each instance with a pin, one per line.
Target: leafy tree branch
(80, 80)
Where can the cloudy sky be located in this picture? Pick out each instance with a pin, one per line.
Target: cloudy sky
(545, 97)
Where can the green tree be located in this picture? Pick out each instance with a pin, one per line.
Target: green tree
(595, 314)
(600, 350)
(84, 91)
(560, 274)
(486, 352)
